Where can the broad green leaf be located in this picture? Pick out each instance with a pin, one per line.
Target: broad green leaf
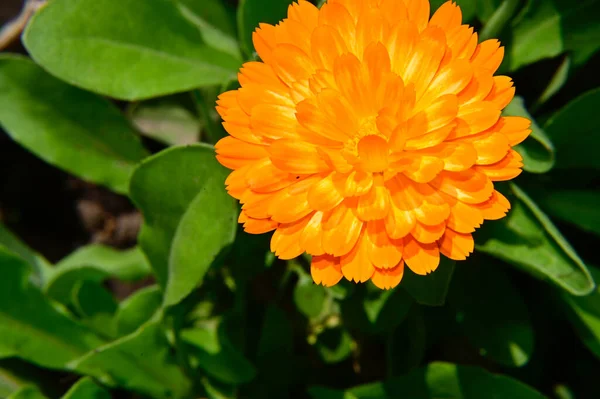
(30, 326)
(556, 83)
(309, 297)
(216, 355)
(334, 345)
(375, 311)
(497, 20)
(141, 362)
(181, 194)
(94, 263)
(67, 127)
(584, 313)
(168, 123)
(41, 266)
(445, 380)
(95, 306)
(492, 313)
(537, 150)
(158, 51)
(216, 22)
(487, 8)
(252, 12)
(27, 392)
(551, 27)
(573, 130)
(86, 388)
(578, 207)
(429, 290)
(137, 309)
(406, 345)
(216, 390)
(527, 239)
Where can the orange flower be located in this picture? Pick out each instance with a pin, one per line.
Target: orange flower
(369, 137)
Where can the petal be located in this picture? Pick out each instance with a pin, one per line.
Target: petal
(388, 278)
(421, 258)
(236, 182)
(464, 218)
(326, 45)
(420, 168)
(264, 177)
(455, 156)
(296, 157)
(488, 55)
(264, 40)
(311, 238)
(274, 121)
(470, 186)
(325, 195)
(418, 12)
(428, 234)
(291, 63)
(285, 242)
(259, 73)
(506, 169)
(495, 208)
(234, 153)
(326, 270)
(455, 245)
(383, 252)
(474, 118)
(356, 265)
(374, 205)
(304, 13)
(341, 229)
(398, 223)
(291, 204)
(356, 183)
(400, 42)
(258, 226)
(425, 60)
(491, 147)
(451, 79)
(337, 16)
(478, 88)
(515, 128)
(462, 42)
(447, 17)
(502, 92)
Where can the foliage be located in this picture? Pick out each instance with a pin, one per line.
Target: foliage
(119, 94)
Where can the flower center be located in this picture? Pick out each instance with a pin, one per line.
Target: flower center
(373, 153)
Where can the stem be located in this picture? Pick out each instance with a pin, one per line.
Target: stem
(498, 21)
(213, 133)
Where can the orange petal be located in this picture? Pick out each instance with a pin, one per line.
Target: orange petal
(326, 46)
(476, 117)
(291, 64)
(488, 55)
(495, 208)
(440, 113)
(418, 12)
(325, 195)
(462, 42)
(455, 245)
(398, 223)
(341, 229)
(383, 252)
(470, 186)
(502, 92)
(420, 168)
(274, 121)
(388, 278)
(259, 73)
(425, 59)
(400, 42)
(296, 157)
(258, 226)
(374, 205)
(264, 177)
(428, 234)
(264, 40)
(451, 79)
(312, 236)
(421, 258)
(234, 153)
(447, 17)
(285, 242)
(515, 128)
(506, 169)
(356, 265)
(355, 183)
(326, 270)
(253, 94)
(304, 13)
(236, 182)
(291, 203)
(478, 88)
(491, 147)
(464, 218)
(455, 156)
(337, 16)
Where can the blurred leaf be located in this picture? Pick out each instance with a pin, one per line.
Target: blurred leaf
(141, 362)
(94, 263)
(86, 388)
(16, 374)
(309, 297)
(326, 393)
(217, 390)
(407, 343)
(375, 311)
(96, 306)
(30, 326)
(334, 345)
(486, 8)
(577, 207)
(551, 27)
(573, 131)
(180, 192)
(495, 24)
(65, 126)
(132, 60)
(216, 355)
(252, 12)
(41, 266)
(137, 309)
(537, 150)
(492, 314)
(170, 124)
(215, 21)
(27, 392)
(584, 314)
(445, 380)
(556, 83)
(527, 238)
(429, 290)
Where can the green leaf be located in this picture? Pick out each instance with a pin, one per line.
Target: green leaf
(309, 297)
(375, 311)
(94, 263)
(141, 362)
(577, 207)
(41, 266)
(584, 314)
(137, 309)
(498, 19)
(252, 12)
(527, 239)
(551, 27)
(27, 392)
(445, 380)
(559, 79)
(168, 123)
(86, 388)
(96, 307)
(334, 345)
(487, 8)
(492, 313)
(65, 126)
(188, 216)
(537, 150)
(216, 355)
(574, 129)
(30, 326)
(429, 290)
(326, 393)
(87, 43)
(406, 345)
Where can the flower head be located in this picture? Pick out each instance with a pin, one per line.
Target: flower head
(369, 137)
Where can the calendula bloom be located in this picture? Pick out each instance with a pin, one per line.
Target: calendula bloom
(369, 136)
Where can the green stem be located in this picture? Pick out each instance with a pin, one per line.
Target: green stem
(212, 131)
(499, 18)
